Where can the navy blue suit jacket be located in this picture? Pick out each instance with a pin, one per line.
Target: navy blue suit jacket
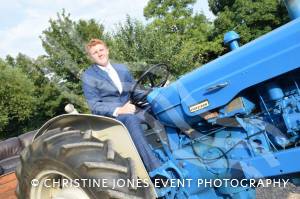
(101, 94)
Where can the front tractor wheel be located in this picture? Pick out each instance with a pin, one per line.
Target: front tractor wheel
(71, 165)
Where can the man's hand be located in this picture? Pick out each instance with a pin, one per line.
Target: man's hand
(128, 108)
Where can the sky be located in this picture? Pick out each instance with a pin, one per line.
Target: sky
(22, 21)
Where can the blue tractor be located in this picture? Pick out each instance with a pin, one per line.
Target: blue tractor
(221, 130)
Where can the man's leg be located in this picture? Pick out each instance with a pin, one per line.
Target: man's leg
(133, 124)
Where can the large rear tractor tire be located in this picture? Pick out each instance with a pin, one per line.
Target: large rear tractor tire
(55, 159)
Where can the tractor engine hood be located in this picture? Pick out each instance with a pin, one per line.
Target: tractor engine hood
(218, 82)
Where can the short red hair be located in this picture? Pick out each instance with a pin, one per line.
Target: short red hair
(94, 42)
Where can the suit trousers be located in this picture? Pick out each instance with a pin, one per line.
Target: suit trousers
(133, 124)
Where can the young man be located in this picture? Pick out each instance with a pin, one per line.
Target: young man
(107, 89)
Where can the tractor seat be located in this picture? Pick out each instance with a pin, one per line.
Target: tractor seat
(10, 150)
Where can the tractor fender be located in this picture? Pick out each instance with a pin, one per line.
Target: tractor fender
(102, 128)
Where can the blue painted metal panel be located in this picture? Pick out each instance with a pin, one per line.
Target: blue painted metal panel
(272, 164)
(260, 60)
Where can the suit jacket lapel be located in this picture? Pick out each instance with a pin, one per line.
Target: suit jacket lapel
(104, 75)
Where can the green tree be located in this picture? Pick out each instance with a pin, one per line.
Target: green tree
(140, 46)
(171, 16)
(64, 44)
(183, 35)
(128, 42)
(174, 36)
(50, 99)
(133, 42)
(17, 100)
(217, 6)
(161, 8)
(249, 18)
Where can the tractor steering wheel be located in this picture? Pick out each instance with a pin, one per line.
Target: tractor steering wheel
(155, 76)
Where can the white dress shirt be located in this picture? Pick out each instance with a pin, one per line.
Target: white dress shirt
(113, 75)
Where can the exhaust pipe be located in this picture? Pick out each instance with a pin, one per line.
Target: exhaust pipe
(231, 39)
